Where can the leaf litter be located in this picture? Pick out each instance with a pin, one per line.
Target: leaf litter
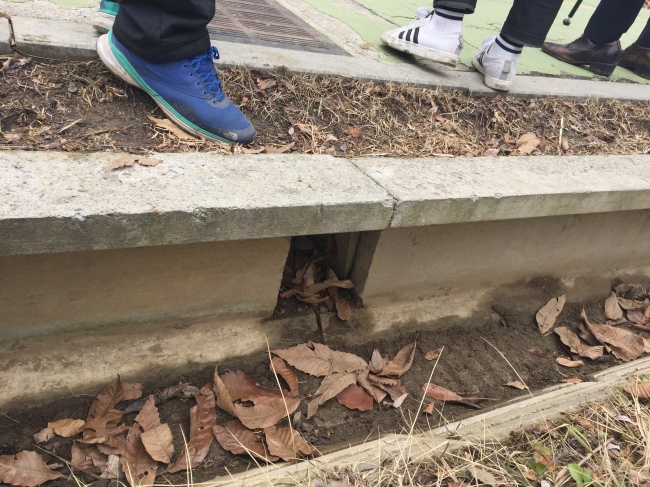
(137, 452)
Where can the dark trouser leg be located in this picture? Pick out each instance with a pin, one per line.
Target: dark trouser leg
(467, 5)
(612, 19)
(644, 38)
(529, 21)
(164, 30)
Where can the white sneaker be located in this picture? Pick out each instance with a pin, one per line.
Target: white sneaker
(419, 39)
(498, 74)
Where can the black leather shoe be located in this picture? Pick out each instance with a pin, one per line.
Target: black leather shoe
(582, 52)
(637, 59)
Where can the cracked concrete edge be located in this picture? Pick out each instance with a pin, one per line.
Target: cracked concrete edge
(55, 39)
(550, 404)
(6, 35)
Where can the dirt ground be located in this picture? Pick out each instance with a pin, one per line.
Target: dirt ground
(83, 107)
(470, 363)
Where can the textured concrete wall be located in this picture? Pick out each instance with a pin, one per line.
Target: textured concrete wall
(445, 270)
(41, 292)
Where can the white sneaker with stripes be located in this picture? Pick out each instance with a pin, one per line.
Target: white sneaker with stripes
(420, 39)
(498, 74)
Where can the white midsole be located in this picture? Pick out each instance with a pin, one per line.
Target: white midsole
(420, 51)
(490, 81)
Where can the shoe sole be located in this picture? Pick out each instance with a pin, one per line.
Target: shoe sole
(643, 71)
(428, 53)
(103, 22)
(489, 81)
(107, 56)
(596, 68)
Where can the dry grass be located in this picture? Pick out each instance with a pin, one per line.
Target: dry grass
(82, 107)
(606, 444)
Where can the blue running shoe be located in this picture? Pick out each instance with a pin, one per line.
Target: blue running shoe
(188, 91)
(105, 16)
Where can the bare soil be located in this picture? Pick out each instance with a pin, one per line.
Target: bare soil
(470, 363)
(83, 107)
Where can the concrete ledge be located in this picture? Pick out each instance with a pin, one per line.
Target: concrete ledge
(60, 202)
(431, 191)
(65, 40)
(57, 202)
(5, 36)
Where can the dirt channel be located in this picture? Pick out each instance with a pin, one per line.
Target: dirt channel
(471, 362)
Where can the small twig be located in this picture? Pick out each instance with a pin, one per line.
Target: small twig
(10, 418)
(559, 141)
(60, 131)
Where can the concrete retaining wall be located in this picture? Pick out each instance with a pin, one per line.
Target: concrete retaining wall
(141, 269)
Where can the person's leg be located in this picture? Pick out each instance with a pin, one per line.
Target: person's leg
(105, 17)
(436, 35)
(637, 56)
(599, 49)
(163, 47)
(527, 24)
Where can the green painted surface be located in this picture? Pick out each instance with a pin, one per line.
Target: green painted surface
(486, 21)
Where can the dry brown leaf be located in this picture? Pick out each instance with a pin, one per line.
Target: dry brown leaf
(320, 360)
(149, 161)
(124, 161)
(491, 152)
(355, 397)
(483, 476)
(377, 393)
(637, 316)
(239, 440)
(10, 136)
(565, 362)
(321, 286)
(572, 341)
(112, 469)
(517, 385)
(171, 127)
(623, 344)
(613, 310)
(279, 150)
(82, 456)
(26, 469)
(103, 428)
(432, 355)
(636, 477)
(646, 345)
(393, 387)
(159, 443)
(355, 132)
(113, 394)
(148, 417)
(67, 427)
(287, 444)
(138, 466)
(329, 388)
(203, 417)
(279, 366)
(377, 362)
(401, 363)
(343, 309)
(265, 84)
(269, 405)
(640, 390)
(527, 143)
(538, 353)
(429, 409)
(547, 316)
(46, 434)
(441, 394)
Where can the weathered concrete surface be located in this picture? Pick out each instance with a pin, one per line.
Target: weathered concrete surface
(40, 294)
(5, 36)
(420, 274)
(438, 191)
(62, 364)
(54, 39)
(58, 39)
(57, 202)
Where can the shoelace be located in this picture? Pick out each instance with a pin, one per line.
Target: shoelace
(203, 66)
(423, 13)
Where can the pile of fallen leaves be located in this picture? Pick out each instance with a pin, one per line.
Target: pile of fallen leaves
(309, 277)
(105, 446)
(628, 304)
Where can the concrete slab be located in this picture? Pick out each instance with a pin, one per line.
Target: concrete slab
(54, 39)
(439, 191)
(59, 202)
(5, 36)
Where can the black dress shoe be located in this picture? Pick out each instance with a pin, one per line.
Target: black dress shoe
(601, 59)
(637, 59)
